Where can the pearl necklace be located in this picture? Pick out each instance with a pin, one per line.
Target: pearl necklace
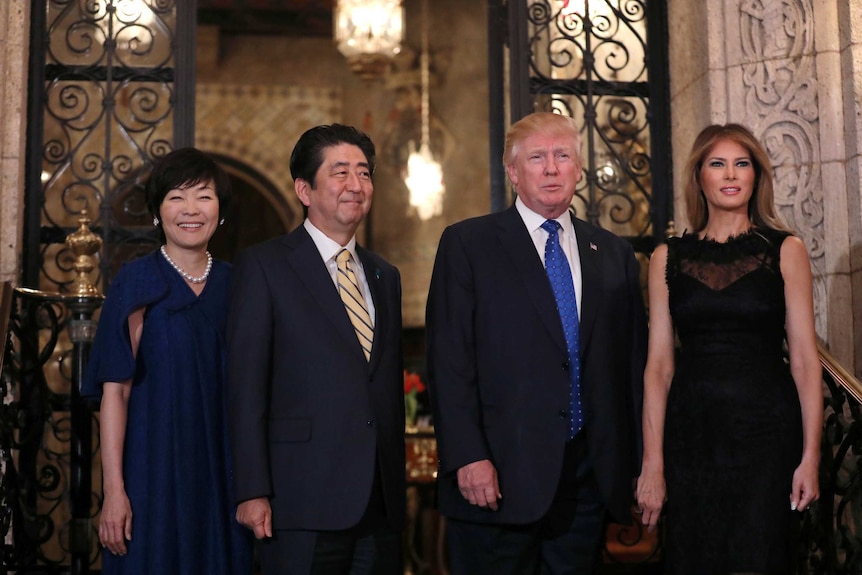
(195, 280)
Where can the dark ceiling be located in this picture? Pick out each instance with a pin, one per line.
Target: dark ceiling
(283, 17)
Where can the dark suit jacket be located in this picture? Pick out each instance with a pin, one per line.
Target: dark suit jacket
(498, 368)
(308, 415)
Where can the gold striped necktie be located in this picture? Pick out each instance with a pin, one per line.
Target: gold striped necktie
(348, 289)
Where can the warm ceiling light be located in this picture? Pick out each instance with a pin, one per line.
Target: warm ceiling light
(425, 174)
(425, 182)
(369, 34)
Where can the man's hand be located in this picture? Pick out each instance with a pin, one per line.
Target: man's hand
(256, 514)
(478, 484)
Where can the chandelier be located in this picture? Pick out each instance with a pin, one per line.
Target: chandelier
(424, 174)
(368, 33)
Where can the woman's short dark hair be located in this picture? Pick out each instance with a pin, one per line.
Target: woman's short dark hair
(307, 155)
(181, 169)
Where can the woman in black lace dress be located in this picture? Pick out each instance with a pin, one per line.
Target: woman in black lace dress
(731, 431)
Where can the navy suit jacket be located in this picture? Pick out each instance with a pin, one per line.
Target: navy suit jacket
(498, 366)
(308, 416)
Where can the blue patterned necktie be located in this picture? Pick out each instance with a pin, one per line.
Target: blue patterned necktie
(560, 274)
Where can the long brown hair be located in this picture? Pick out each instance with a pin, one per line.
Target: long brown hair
(761, 209)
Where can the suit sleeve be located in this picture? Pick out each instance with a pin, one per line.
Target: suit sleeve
(638, 352)
(452, 370)
(250, 342)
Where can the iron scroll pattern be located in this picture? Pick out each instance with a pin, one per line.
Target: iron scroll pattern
(47, 502)
(831, 533)
(106, 106)
(589, 59)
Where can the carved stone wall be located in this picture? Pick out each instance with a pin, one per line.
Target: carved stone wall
(776, 66)
(14, 50)
(847, 84)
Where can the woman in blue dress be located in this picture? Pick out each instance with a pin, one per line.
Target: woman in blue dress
(158, 365)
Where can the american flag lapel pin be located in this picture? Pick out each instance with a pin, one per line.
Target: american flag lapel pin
(594, 247)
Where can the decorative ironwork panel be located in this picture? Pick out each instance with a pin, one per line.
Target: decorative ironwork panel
(588, 59)
(47, 437)
(616, 191)
(831, 534)
(106, 109)
(603, 62)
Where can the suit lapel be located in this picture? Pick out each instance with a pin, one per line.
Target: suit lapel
(518, 244)
(591, 280)
(306, 262)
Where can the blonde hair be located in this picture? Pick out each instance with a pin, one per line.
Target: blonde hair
(761, 209)
(546, 122)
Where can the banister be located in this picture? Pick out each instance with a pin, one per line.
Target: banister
(840, 374)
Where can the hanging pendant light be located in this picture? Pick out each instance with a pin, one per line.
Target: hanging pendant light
(424, 174)
(368, 33)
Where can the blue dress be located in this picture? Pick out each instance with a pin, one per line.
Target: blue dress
(176, 464)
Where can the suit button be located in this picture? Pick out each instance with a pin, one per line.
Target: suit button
(565, 365)
(370, 423)
(564, 414)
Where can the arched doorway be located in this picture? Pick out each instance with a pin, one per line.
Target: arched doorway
(258, 210)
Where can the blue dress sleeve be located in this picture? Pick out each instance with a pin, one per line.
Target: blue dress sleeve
(136, 285)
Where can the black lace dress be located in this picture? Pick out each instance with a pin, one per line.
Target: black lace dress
(733, 429)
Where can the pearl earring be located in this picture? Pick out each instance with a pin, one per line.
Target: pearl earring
(155, 221)
(221, 222)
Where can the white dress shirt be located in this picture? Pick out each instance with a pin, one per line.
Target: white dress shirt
(568, 242)
(329, 249)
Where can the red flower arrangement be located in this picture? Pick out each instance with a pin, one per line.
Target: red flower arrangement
(412, 387)
(412, 382)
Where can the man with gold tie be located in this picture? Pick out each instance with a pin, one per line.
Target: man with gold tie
(536, 346)
(316, 407)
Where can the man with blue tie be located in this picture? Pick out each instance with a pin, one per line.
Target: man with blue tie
(316, 401)
(536, 336)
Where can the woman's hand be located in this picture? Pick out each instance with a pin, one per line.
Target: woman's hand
(805, 486)
(115, 525)
(651, 495)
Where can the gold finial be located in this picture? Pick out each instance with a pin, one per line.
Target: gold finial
(84, 244)
(670, 231)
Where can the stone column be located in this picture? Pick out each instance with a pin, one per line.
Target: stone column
(850, 56)
(14, 54)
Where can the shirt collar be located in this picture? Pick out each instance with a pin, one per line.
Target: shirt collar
(328, 247)
(534, 221)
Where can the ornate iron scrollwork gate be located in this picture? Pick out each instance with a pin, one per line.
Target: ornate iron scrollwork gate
(46, 436)
(111, 89)
(604, 63)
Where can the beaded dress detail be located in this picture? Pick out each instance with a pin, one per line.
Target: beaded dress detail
(733, 431)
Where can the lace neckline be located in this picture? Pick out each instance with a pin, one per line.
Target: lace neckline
(731, 239)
